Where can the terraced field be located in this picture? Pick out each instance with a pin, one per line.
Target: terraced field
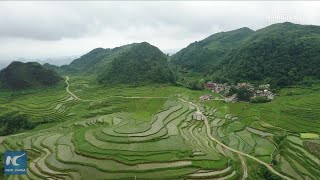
(110, 136)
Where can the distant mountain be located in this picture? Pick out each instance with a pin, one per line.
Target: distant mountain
(58, 61)
(19, 75)
(139, 63)
(202, 56)
(280, 54)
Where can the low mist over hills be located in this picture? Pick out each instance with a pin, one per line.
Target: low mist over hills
(19, 75)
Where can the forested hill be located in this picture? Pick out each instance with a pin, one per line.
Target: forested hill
(96, 60)
(280, 54)
(142, 63)
(203, 56)
(20, 75)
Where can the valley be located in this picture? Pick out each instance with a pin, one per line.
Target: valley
(241, 104)
(140, 132)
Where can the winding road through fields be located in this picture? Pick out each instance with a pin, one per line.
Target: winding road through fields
(126, 97)
(67, 89)
(234, 150)
(241, 154)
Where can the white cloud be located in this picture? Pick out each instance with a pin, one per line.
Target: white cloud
(50, 29)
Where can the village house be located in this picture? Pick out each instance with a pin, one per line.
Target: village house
(210, 85)
(246, 85)
(198, 116)
(206, 97)
(265, 93)
(223, 89)
(232, 98)
(216, 87)
(264, 86)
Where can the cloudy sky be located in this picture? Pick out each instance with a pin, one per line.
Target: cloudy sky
(36, 30)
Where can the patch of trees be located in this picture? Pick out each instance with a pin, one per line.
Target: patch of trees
(266, 174)
(203, 56)
(281, 55)
(232, 90)
(259, 99)
(19, 75)
(1, 165)
(141, 64)
(15, 122)
(244, 94)
(195, 85)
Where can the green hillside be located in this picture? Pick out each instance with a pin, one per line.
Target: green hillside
(142, 63)
(20, 75)
(96, 60)
(202, 56)
(281, 54)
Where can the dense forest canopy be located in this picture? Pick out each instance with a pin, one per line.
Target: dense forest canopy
(142, 64)
(281, 54)
(20, 75)
(203, 56)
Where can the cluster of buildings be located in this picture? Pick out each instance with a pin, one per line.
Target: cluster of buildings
(265, 93)
(217, 87)
(261, 90)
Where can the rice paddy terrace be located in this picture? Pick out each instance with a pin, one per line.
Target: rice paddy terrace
(152, 133)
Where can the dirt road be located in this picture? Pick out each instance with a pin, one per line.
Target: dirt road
(67, 88)
(234, 150)
(126, 97)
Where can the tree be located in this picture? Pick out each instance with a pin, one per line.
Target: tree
(1, 165)
(259, 99)
(195, 85)
(244, 94)
(232, 90)
(266, 174)
(14, 122)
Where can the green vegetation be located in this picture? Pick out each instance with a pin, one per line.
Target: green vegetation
(132, 64)
(202, 56)
(141, 64)
(115, 128)
(281, 55)
(20, 75)
(195, 85)
(244, 94)
(313, 148)
(309, 136)
(113, 132)
(259, 99)
(14, 122)
(1, 165)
